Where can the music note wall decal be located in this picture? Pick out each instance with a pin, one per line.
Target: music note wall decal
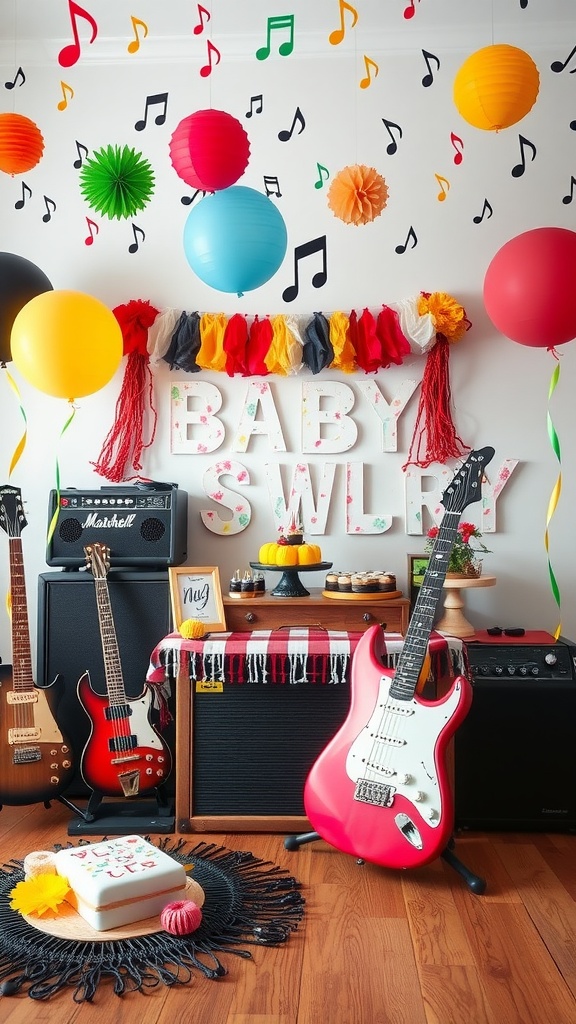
(428, 58)
(458, 146)
(161, 98)
(411, 237)
(64, 102)
(487, 212)
(323, 175)
(70, 54)
(93, 229)
(568, 199)
(444, 187)
(392, 146)
(82, 151)
(21, 202)
(134, 46)
(202, 14)
(272, 186)
(19, 75)
(560, 65)
(410, 11)
(301, 252)
(525, 144)
(256, 105)
(50, 208)
(276, 24)
(336, 37)
(368, 64)
(136, 231)
(213, 52)
(188, 200)
(284, 135)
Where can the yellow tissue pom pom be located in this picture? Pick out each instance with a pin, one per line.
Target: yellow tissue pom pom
(192, 629)
(39, 894)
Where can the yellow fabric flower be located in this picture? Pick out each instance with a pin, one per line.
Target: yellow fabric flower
(449, 316)
(39, 895)
(192, 629)
(358, 194)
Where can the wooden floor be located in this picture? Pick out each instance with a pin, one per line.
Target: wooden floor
(375, 946)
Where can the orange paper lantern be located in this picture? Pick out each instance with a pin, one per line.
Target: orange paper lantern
(21, 144)
(496, 87)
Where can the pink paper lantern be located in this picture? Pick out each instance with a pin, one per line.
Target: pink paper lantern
(209, 150)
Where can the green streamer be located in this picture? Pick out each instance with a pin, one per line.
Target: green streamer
(556, 492)
(56, 513)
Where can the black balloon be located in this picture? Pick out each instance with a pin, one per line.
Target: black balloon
(20, 281)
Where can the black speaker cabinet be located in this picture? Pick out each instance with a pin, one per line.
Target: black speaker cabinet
(69, 643)
(515, 756)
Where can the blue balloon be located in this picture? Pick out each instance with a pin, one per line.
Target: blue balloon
(235, 240)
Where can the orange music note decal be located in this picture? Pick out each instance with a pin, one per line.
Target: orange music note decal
(392, 146)
(458, 146)
(519, 169)
(338, 34)
(275, 24)
(135, 231)
(161, 98)
(323, 173)
(134, 46)
(300, 253)
(411, 237)
(207, 69)
(369, 63)
(285, 135)
(410, 11)
(428, 57)
(444, 187)
(202, 13)
(65, 88)
(70, 54)
(487, 212)
(22, 202)
(93, 229)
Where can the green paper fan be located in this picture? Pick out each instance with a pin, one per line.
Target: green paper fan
(117, 182)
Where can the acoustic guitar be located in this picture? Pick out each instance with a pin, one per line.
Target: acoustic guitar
(35, 757)
(380, 789)
(124, 754)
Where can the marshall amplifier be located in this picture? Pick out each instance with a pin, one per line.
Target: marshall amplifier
(515, 752)
(145, 525)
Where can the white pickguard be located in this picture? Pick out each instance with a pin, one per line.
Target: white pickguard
(397, 747)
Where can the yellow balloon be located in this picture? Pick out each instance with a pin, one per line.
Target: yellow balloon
(66, 343)
(496, 87)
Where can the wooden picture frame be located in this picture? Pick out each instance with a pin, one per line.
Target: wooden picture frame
(195, 593)
(417, 565)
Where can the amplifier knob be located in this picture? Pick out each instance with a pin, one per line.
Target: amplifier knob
(510, 670)
(534, 671)
(550, 658)
(523, 670)
(484, 670)
(498, 670)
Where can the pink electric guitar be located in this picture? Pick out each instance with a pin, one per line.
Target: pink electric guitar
(124, 754)
(380, 789)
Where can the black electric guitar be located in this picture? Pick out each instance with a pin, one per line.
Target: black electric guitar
(124, 755)
(35, 757)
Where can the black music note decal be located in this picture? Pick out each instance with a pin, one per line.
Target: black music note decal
(50, 208)
(202, 14)
(212, 52)
(559, 65)
(523, 5)
(300, 253)
(135, 231)
(568, 199)
(487, 212)
(392, 147)
(519, 169)
(284, 136)
(21, 202)
(161, 98)
(93, 229)
(428, 57)
(188, 200)
(323, 173)
(274, 184)
(275, 24)
(573, 125)
(70, 54)
(256, 106)
(411, 237)
(19, 75)
(80, 149)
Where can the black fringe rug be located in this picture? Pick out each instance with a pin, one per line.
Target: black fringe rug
(248, 902)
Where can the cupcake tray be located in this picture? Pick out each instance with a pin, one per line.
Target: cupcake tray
(375, 595)
(246, 595)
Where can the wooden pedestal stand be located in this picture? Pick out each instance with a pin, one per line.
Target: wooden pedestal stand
(453, 620)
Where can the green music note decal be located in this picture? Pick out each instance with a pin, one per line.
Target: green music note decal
(281, 21)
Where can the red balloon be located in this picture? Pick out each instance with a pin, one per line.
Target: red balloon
(209, 150)
(529, 288)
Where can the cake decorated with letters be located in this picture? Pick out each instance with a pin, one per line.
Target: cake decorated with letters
(119, 881)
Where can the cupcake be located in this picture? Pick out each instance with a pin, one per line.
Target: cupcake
(331, 582)
(387, 582)
(345, 583)
(247, 585)
(294, 534)
(236, 583)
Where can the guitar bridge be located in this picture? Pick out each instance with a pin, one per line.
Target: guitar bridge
(376, 793)
(26, 755)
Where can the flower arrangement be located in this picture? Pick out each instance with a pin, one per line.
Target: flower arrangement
(463, 557)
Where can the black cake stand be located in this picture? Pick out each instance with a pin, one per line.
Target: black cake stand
(290, 584)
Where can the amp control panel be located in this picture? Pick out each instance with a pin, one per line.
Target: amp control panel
(522, 661)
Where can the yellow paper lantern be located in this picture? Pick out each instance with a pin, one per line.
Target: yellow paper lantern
(496, 87)
(21, 144)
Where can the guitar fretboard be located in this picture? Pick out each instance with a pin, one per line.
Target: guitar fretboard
(112, 666)
(22, 678)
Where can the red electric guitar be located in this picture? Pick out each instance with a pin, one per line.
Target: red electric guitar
(380, 789)
(124, 754)
(35, 757)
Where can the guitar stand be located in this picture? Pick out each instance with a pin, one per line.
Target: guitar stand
(475, 883)
(123, 817)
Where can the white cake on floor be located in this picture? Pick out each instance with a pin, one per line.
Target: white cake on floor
(119, 881)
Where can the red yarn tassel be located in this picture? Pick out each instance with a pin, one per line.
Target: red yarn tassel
(435, 438)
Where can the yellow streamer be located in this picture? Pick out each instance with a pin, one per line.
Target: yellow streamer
(22, 442)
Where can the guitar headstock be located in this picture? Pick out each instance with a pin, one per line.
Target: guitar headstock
(98, 560)
(465, 487)
(12, 518)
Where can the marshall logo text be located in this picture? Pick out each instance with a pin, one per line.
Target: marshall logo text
(112, 522)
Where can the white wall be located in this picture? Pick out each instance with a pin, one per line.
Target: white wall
(499, 388)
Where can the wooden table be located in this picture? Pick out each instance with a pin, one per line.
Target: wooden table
(353, 613)
(453, 620)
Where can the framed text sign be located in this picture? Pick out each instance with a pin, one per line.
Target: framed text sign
(195, 594)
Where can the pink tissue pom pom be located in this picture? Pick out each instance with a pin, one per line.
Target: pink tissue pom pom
(181, 917)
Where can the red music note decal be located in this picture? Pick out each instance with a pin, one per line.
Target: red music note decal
(50, 208)
(284, 136)
(487, 212)
(70, 54)
(323, 173)
(256, 106)
(202, 13)
(151, 101)
(93, 229)
(444, 187)
(274, 189)
(64, 102)
(135, 231)
(80, 149)
(559, 65)
(519, 169)
(411, 237)
(369, 63)
(300, 253)
(19, 75)
(568, 199)
(392, 146)
(338, 34)
(21, 202)
(276, 24)
(212, 51)
(428, 57)
(410, 11)
(134, 46)
(458, 146)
